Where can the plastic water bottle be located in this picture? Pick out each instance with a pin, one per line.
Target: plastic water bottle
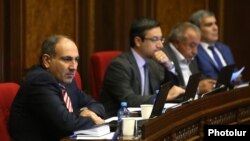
(122, 113)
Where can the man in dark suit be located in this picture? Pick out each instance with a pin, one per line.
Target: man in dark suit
(125, 76)
(184, 39)
(48, 105)
(208, 64)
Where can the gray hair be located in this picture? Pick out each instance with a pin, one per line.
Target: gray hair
(177, 33)
(197, 17)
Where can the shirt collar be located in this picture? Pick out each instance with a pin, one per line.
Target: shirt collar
(139, 60)
(179, 56)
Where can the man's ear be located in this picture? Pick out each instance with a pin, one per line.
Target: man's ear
(176, 44)
(46, 60)
(137, 41)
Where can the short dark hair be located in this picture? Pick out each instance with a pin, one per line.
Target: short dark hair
(48, 45)
(177, 33)
(139, 26)
(197, 16)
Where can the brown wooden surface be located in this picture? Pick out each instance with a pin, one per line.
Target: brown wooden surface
(186, 122)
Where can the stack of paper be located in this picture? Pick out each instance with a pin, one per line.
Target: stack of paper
(99, 130)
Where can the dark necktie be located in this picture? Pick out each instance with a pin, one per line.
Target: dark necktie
(146, 79)
(66, 98)
(216, 57)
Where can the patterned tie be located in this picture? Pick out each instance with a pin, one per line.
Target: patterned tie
(146, 79)
(216, 57)
(66, 98)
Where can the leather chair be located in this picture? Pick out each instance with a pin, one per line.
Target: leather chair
(98, 65)
(7, 93)
(78, 80)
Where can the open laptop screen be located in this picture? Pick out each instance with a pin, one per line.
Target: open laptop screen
(192, 86)
(223, 81)
(224, 77)
(161, 99)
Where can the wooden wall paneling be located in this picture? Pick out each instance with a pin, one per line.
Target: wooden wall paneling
(171, 12)
(2, 41)
(86, 22)
(14, 41)
(105, 26)
(45, 18)
(236, 32)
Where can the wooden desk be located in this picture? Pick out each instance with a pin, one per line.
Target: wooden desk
(187, 121)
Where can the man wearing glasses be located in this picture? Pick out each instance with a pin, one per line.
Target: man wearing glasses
(136, 75)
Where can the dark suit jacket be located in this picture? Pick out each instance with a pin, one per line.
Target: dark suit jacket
(122, 82)
(207, 66)
(172, 56)
(39, 113)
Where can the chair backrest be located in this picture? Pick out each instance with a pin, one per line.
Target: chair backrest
(98, 65)
(7, 93)
(78, 80)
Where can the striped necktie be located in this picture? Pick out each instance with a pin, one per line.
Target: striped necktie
(66, 98)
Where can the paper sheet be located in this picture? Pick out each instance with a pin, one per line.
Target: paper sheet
(237, 74)
(86, 137)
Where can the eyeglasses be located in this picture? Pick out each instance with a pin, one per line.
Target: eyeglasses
(155, 39)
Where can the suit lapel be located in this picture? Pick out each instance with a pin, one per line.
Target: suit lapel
(204, 55)
(134, 65)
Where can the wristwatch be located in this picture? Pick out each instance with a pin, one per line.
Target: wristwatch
(170, 64)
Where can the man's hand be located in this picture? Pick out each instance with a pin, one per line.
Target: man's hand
(174, 92)
(92, 115)
(206, 85)
(161, 57)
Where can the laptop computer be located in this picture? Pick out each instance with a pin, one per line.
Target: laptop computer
(190, 93)
(225, 75)
(223, 81)
(161, 99)
(192, 86)
(190, 90)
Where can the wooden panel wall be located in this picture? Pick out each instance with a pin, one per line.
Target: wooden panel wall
(98, 25)
(1, 41)
(45, 18)
(236, 32)
(171, 12)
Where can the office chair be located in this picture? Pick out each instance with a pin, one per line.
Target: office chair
(98, 65)
(8, 92)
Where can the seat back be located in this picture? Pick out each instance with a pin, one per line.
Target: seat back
(8, 92)
(98, 65)
(78, 80)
